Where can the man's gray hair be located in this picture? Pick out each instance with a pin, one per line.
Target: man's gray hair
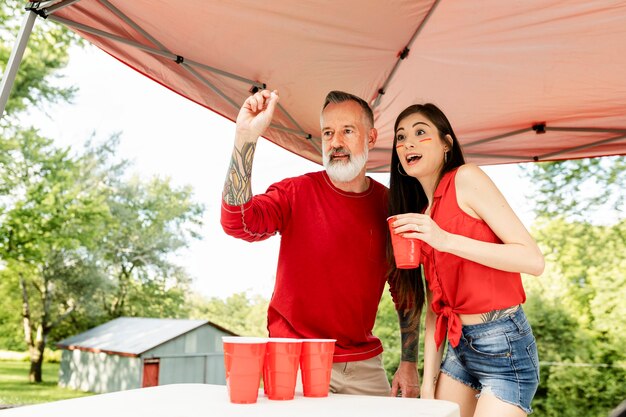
(341, 96)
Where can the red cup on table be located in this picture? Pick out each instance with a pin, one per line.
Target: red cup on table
(243, 363)
(280, 371)
(316, 365)
(406, 251)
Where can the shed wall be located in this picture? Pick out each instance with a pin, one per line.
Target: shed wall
(99, 372)
(196, 356)
(200, 340)
(207, 369)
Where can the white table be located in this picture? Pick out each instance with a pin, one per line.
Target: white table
(199, 400)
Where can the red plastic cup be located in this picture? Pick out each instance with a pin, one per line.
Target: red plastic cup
(316, 365)
(243, 362)
(406, 251)
(282, 358)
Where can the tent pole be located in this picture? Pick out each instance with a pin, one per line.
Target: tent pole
(578, 148)
(507, 157)
(502, 136)
(16, 57)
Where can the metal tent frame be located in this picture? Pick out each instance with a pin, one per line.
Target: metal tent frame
(47, 9)
(289, 124)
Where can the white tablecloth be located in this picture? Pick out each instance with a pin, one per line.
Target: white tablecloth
(196, 400)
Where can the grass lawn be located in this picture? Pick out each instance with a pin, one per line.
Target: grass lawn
(15, 388)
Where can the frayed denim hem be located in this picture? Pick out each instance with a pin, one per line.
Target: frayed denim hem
(443, 371)
(487, 390)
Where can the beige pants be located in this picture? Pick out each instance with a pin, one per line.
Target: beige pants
(366, 377)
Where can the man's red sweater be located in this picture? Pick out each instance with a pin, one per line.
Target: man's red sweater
(331, 266)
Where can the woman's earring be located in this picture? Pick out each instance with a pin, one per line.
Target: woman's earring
(445, 157)
(400, 170)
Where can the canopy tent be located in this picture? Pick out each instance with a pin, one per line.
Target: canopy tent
(520, 81)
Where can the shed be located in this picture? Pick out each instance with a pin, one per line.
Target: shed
(134, 352)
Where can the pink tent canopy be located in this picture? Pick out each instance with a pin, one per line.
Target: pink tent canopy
(530, 80)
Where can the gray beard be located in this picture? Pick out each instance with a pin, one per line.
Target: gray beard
(345, 171)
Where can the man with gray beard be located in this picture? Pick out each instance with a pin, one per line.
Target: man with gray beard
(331, 267)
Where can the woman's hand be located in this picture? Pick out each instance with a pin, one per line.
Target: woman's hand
(422, 227)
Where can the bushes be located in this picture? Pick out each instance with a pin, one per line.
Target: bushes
(49, 356)
(571, 390)
(10, 355)
(582, 372)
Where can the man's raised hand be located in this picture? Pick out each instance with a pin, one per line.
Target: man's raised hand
(256, 115)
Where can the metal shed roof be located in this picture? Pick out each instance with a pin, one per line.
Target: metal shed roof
(132, 336)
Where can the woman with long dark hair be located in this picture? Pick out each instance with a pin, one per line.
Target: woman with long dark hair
(474, 248)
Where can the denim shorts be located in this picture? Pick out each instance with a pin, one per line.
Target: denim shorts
(498, 357)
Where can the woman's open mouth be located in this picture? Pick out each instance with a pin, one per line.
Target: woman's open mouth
(413, 158)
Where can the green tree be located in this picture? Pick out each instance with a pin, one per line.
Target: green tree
(163, 296)
(583, 390)
(46, 53)
(47, 224)
(149, 222)
(71, 226)
(74, 231)
(239, 313)
(577, 305)
(11, 332)
(575, 309)
(581, 189)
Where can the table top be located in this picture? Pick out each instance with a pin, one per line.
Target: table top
(195, 400)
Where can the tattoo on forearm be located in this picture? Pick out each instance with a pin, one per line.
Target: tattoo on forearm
(497, 314)
(238, 188)
(409, 333)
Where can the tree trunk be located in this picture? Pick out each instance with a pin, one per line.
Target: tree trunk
(35, 370)
(43, 328)
(123, 282)
(36, 357)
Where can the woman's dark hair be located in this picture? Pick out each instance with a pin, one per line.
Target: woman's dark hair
(406, 195)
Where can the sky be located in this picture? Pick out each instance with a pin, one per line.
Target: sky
(166, 135)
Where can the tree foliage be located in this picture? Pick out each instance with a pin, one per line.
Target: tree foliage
(577, 306)
(46, 52)
(47, 224)
(239, 313)
(149, 222)
(576, 309)
(76, 237)
(589, 190)
(80, 242)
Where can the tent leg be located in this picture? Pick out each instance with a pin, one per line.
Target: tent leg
(15, 59)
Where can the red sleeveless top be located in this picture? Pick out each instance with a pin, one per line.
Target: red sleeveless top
(460, 286)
